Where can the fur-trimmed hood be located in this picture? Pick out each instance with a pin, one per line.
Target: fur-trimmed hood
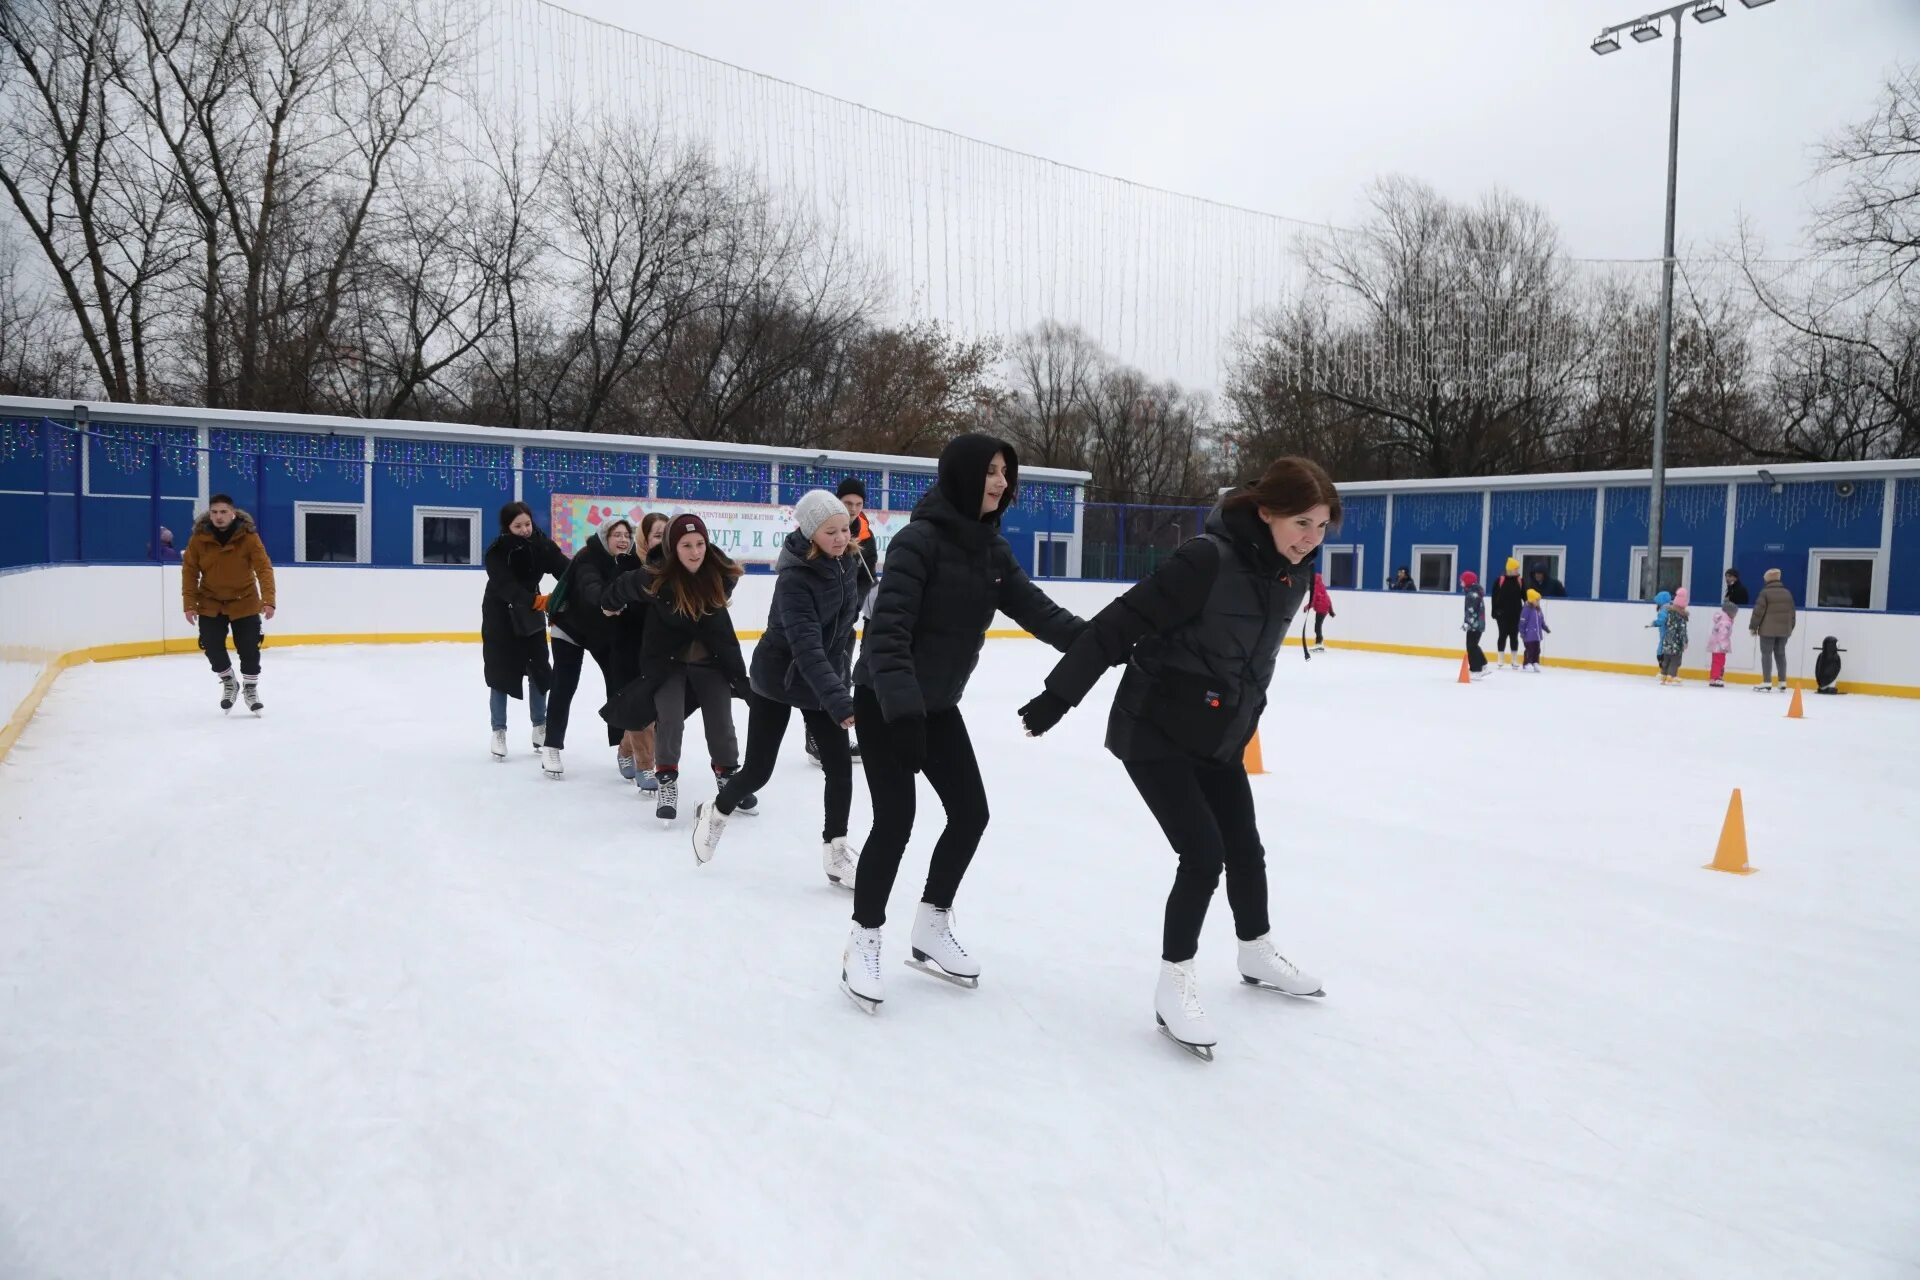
(242, 523)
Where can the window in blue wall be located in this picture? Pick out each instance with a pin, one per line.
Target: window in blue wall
(328, 533)
(1343, 567)
(1051, 555)
(1676, 571)
(1550, 559)
(1840, 579)
(1433, 568)
(446, 535)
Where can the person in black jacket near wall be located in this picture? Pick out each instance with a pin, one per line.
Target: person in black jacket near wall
(1199, 639)
(513, 630)
(580, 628)
(1504, 602)
(804, 661)
(947, 573)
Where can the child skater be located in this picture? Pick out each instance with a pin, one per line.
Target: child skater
(688, 649)
(1533, 624)
(1322, 605)
(1673, 639)
(1659, 624)
(1474, 623)
(1199, 640)
(803, 663)
(1720, 642)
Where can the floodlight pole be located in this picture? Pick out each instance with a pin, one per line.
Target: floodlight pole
(1662, 369)
(1663, 355)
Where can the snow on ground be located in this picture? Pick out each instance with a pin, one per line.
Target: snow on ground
(332, 994)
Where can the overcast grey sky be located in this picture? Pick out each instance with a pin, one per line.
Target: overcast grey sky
(1291, 108)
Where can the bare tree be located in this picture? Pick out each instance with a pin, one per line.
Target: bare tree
(74, 169)
(1052, 369)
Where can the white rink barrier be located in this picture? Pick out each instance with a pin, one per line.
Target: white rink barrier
(52, 617)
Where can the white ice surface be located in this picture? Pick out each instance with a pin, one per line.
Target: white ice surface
(332, 994)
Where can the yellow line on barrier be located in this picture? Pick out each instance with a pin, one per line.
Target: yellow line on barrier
(17, 722)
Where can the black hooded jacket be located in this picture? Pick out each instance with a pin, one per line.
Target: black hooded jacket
(593, 569)
(947, 572)
(1199, 637)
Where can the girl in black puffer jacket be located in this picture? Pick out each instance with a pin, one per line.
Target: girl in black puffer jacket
(579, 629)
(1199, 639)
(688, 651)
(947, 572)
(803, 663)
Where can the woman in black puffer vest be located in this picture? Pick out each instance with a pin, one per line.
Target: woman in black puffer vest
(580, 628)
(1199, 639)
(947, 573)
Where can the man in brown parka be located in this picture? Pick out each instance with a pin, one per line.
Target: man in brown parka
(1772, 621)
(226, 583)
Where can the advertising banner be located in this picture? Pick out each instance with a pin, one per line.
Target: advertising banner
(749, 532)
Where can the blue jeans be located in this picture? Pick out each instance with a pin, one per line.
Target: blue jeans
(537, 700)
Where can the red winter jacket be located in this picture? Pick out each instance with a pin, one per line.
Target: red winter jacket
(1322, 602)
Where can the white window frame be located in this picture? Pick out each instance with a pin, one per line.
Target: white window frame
(1636, 563)
(1447, 549)
(1359, 553)
(1559, 554)
(473, 517)
(362, 528)
(1065, 557)
(1814, 557)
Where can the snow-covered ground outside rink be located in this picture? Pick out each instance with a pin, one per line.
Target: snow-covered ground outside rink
(330, 994)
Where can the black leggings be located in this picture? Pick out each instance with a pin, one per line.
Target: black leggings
(766, 725)
(1509, 637)
(954, 774)
(246, 638)
(568, 659)
(1319, 621)
(1476, 656)
(1206, 811)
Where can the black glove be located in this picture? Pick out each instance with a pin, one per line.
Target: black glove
(909, 737)
(1043, 713)
(741, 686)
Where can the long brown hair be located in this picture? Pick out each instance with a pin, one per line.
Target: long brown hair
(693, 595)
(1288, 487)
(647, 522)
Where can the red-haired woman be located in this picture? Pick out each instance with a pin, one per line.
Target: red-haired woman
(1199, 639)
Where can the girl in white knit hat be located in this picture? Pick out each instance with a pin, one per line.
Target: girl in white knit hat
(803, 663)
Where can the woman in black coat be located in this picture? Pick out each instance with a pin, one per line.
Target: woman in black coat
(580, 628)
(689, 653)
(513, 631)
(947, 573)
(1504, 602)
(1199, 639)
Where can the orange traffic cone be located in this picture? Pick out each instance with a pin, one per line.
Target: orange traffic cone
(1252, 757)
(1466, 672)
(1731, 853)
(1794, 710)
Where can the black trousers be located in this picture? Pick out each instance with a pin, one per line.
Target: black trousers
(568, 661)
(1476, 656)
(1509, 637)
(954, 774)
(766, 726)
(246, 638)
(1319, 621)
(1206, 812)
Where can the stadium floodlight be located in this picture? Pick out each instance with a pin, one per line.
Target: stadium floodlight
(1644, 29)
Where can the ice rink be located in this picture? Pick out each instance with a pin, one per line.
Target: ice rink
(331, 994)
